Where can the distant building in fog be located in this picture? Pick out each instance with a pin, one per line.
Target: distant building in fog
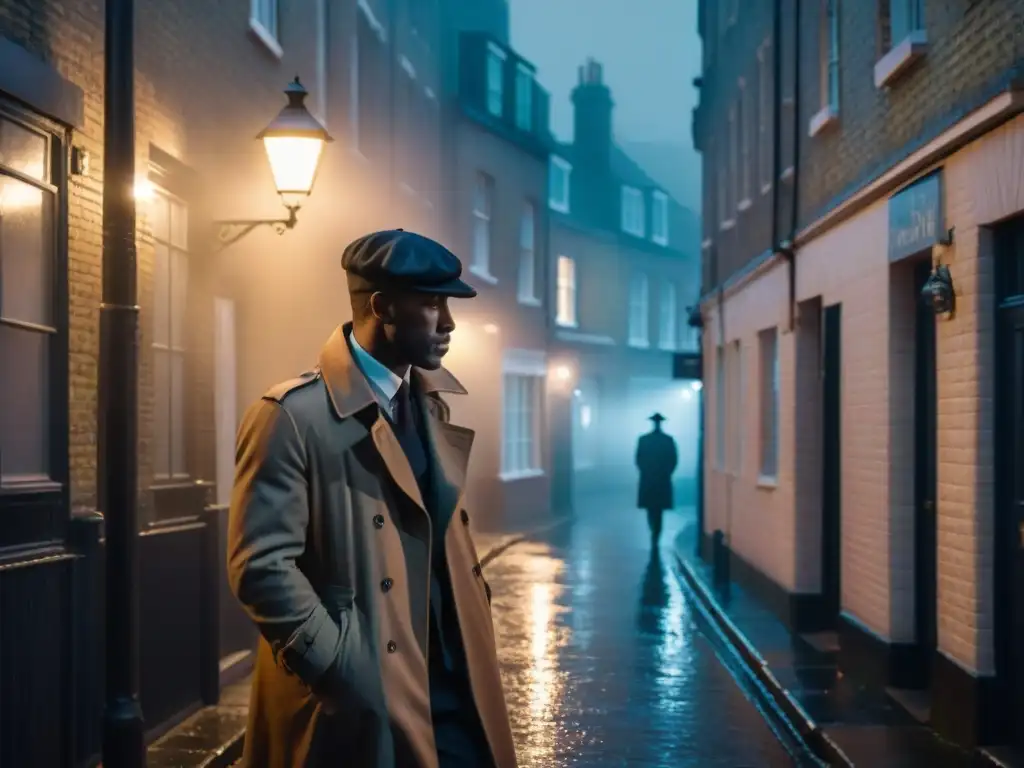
(622, 279)
(864, 454)
(495, 152)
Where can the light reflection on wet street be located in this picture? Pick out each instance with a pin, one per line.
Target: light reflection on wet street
(602, 661)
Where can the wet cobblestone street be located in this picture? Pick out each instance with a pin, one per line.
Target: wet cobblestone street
(603, 663)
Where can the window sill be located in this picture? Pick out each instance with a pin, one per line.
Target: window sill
(767, 482)
(766, 188)
(555, 205)
(662, 241)
(669, 347)
(727, 225)
(744, 205)
(529, 301)
(484, 274)
(824, 118)
(566, 323)
(633, 232)
(900, 58)
(406, 189)
(34, 487)
(520, 474)
(639, 344)
(787, 174)
(262, 34)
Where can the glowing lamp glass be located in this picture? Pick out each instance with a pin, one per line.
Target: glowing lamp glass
(293, 162)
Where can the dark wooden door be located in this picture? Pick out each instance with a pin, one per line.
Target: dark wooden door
(1009, 460)
(925, 477)
(831, 535)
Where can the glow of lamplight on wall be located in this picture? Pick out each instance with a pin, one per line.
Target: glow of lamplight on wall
(144, 190)
(687, 394)
(490, 328)
(562, 373)
(16, 195)
(696, 386)
(585, 416)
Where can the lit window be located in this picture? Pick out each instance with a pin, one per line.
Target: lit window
(495, 80)
(632, 211)
(558, 192)
(566, 298)
(639, 312)
(169, 222)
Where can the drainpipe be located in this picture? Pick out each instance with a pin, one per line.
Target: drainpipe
(123, 741)
(786, 246)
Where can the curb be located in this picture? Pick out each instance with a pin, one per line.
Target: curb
(816, 740)
(231, 751)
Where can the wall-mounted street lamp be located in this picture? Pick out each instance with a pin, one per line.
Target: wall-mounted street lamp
(294, 142)
(938, 292)
(694, 319)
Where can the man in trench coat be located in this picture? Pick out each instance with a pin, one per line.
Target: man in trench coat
(349, 546)
(656, 459)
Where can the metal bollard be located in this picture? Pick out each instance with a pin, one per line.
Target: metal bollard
(720, 558)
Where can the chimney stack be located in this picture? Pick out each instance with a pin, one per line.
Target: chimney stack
(592, 120)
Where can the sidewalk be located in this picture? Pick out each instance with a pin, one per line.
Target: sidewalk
(843, 723)
(212, 737)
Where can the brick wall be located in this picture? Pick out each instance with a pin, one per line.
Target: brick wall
(969, 45)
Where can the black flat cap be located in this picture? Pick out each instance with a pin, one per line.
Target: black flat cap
(395, 258)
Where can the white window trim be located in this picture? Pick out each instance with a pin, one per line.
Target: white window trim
(659, 200)
(764, 83)
(260, 31)
(768, 378)
(743, 114)
(900, 58)
(639, 335)
(323, 30)
(562, 206)
(632, 207)
(366, 9)
(483, 271)
(573, 309)
(527, 294)
(493, 50)
(407, 66)
(527, 364)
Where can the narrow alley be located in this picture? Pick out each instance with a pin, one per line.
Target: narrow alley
(604, 661)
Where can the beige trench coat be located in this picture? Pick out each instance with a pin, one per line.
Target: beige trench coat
(329, 549)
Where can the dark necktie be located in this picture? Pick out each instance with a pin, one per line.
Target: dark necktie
(407, 432)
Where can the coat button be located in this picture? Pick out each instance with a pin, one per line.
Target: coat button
(465, 517)
(378, 521)
(477, 569)
(387, 584)
(392, 646)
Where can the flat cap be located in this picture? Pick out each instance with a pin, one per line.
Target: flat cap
(395, 258)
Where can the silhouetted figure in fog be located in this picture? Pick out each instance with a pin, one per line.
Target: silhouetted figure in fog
(656, 458)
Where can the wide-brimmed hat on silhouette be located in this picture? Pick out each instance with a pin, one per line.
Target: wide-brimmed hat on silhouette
(657, 418)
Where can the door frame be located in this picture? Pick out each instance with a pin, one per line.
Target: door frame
(925, 480)
(831, 471)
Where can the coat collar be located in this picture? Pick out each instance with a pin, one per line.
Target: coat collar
(349, 390)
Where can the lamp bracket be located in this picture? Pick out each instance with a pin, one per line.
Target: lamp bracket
(946, 238)
(231, 231)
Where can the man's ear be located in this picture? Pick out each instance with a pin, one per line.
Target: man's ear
(381, 308)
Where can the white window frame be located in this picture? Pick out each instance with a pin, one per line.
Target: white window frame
(908, 39)
(768, 465)
(737, 385)
(524, 97)
(910, 14)
(745, 111)
(524, 374)
(659, 217)
(566, 295)
(734, 157)
(764, 101)
(639, 331)
(264, 23)
(632, 211)
(668, 318)
(483, 208)
(527, 289)
(496, 79)
(173, 346)
(828, 69)
(559, 184)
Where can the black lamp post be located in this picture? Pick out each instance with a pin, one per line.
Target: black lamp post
(294, 142)
(123, 741)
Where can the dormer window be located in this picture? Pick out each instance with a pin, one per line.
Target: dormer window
(659, 217)
(524, 97)
(495, 80)
(558, 184)
(632, 211)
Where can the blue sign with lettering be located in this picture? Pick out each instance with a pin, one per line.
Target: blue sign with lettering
(915, 217)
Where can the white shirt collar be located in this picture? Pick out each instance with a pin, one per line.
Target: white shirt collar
(383, 381)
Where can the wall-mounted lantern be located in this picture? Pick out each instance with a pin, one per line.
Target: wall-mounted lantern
(938, 292)
(694, 319)
(294, 143)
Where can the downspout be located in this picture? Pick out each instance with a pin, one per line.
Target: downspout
(786, 247)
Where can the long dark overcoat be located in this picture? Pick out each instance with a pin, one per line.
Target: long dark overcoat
(329, 550)
(656, 458)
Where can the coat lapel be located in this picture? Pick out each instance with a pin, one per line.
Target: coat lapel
(447, 445)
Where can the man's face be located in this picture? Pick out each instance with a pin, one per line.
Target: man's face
(420, 327)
